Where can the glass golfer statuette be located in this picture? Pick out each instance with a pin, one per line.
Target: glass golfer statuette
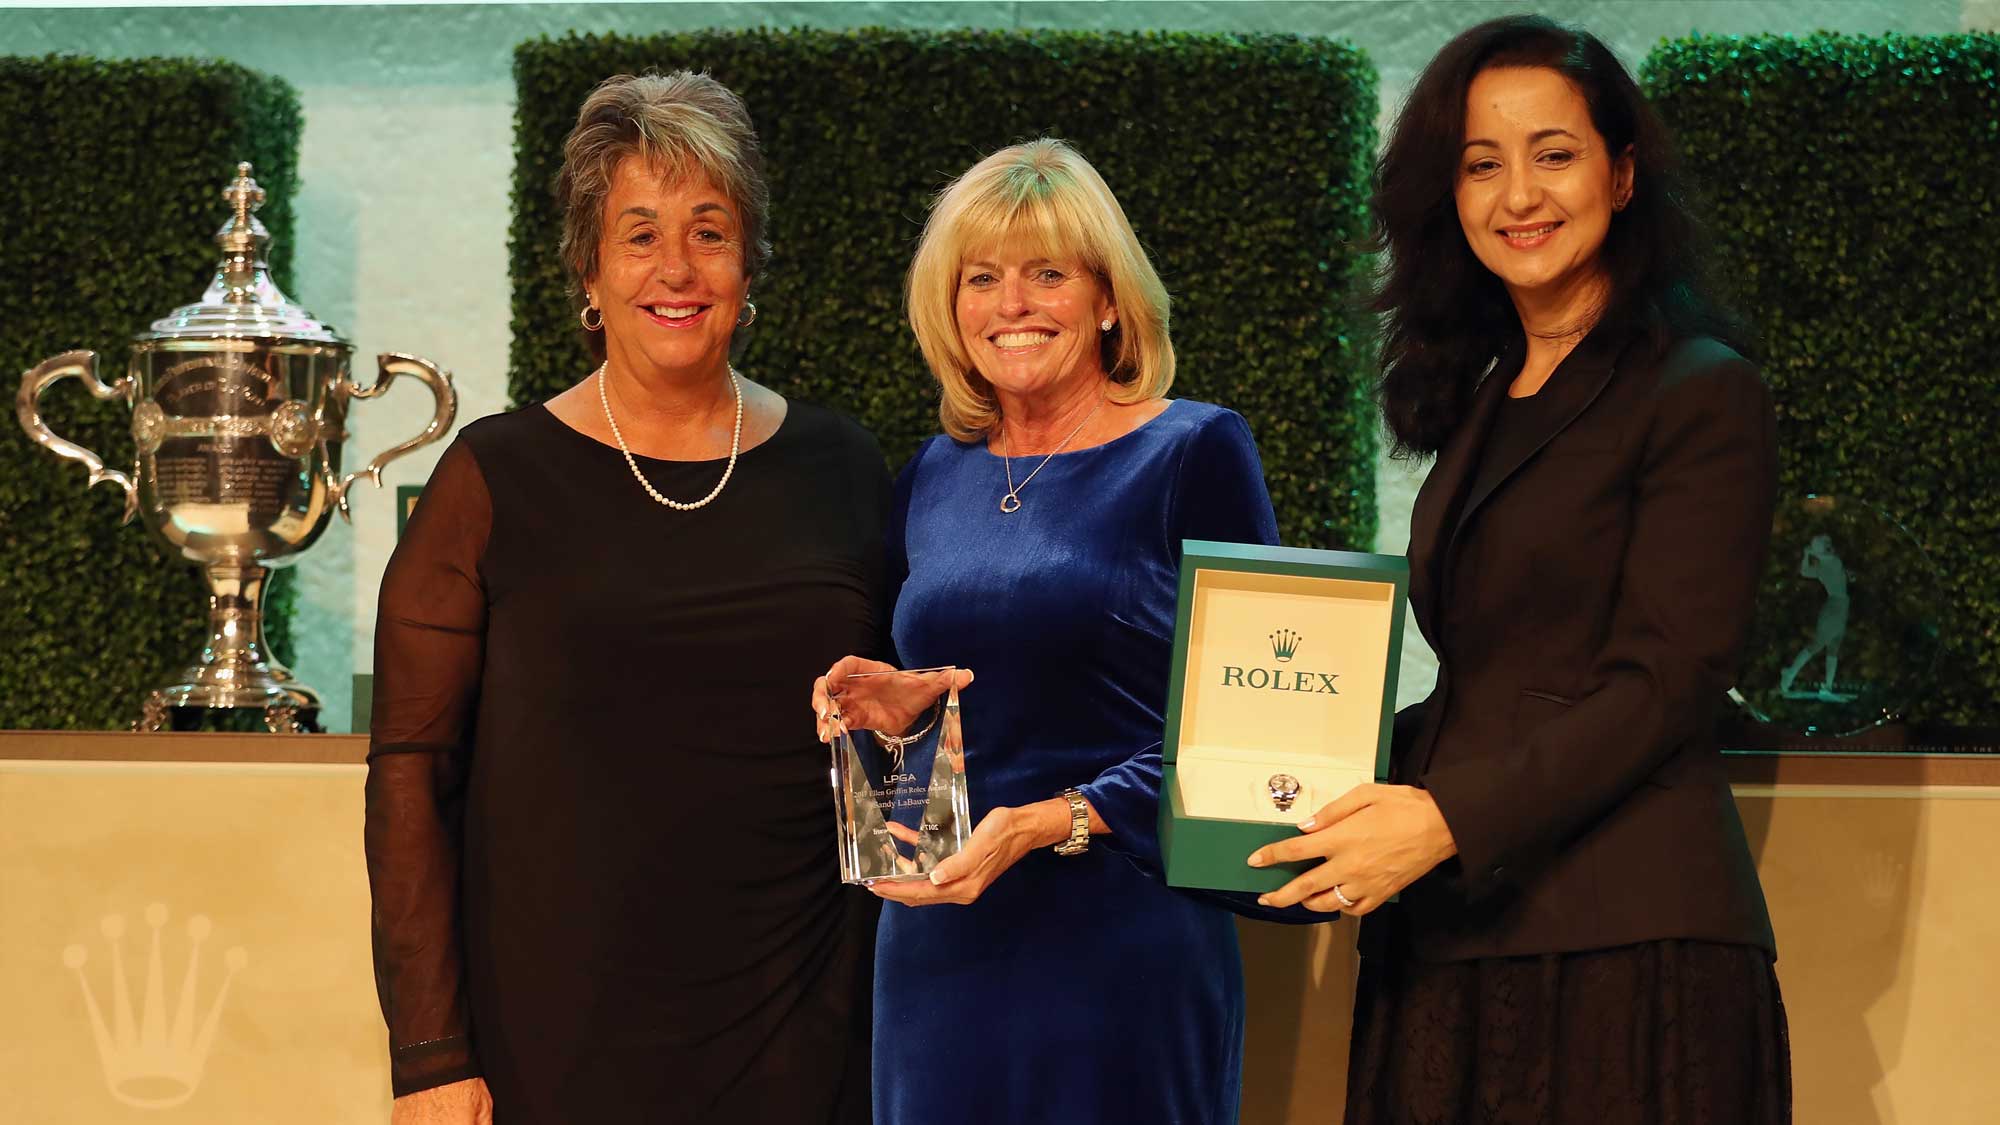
(1847, 626)
(900, 805)
(239, 411)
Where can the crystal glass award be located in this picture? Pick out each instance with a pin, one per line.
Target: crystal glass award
(899, 799)
(1845, 635)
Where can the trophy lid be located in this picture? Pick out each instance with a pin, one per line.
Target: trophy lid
(242, 299)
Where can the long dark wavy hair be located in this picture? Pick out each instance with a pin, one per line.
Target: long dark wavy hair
(1446, 316)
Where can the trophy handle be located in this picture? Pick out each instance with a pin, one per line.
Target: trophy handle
(27, 407)
(392, 364)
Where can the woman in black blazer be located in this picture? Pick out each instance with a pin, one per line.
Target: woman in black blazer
(1580, 935)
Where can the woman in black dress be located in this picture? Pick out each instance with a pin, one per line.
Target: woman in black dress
(598, 830)
(1581, 937)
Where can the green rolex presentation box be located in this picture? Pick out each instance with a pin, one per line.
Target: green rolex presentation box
(1283, 695)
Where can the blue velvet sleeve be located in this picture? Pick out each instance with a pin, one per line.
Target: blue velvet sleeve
(1221, 494)
(1218, 494)
(1224, 500)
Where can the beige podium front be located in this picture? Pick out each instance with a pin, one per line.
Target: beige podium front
(184, 931)
(184, 938)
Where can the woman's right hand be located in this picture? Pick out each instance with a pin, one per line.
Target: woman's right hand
(457, 1103)
(887, 703)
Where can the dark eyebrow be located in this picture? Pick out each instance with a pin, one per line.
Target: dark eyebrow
(1535, 138)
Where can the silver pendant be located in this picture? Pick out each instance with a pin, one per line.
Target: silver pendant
(1010, 503)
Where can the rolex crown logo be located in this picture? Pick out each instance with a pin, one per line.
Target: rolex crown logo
(1284, 644)
(153, 1060)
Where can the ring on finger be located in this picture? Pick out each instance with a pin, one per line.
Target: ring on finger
(1344, 901)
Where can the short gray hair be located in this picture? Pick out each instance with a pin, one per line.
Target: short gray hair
(681, 123)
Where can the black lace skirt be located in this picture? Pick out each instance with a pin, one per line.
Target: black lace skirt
(1663, 1033)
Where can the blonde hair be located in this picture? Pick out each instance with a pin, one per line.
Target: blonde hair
(682, 124)
(1046, 193)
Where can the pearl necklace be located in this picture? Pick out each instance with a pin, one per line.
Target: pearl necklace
(735, 445)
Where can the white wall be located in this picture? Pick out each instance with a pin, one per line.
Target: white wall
(408, 153)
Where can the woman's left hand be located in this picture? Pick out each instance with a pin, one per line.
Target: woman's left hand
(998, 843)
(1376, 840)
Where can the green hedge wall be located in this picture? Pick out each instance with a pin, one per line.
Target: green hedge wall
(110, 190)
(1854, 184)
(1242, 161)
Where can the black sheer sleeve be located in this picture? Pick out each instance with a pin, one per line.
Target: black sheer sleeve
(430, 627)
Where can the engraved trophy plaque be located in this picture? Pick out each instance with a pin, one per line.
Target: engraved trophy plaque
(239, 403)
(900, 802)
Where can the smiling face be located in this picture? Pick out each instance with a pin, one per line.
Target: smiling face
(1536, 187)
(669, 274)
(1029, 321)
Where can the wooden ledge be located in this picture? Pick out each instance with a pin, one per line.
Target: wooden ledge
(1861, 770)
(1746, 767)
(125, 746)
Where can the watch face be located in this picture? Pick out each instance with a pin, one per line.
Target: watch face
(1284, 790)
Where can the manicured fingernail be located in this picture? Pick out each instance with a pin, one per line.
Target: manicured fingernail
(1256, 859)
(1263, 900)
(937, 879)
(1307, 824)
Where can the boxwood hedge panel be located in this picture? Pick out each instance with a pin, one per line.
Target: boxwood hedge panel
(1855, 188)
(110, 182)
(1241, 160)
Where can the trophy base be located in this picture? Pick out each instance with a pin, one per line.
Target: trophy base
(909, 877)
(1821, 695)
(236, 671)
(289, 707)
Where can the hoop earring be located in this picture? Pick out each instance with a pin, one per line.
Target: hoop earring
(588, 324)
(748, 316)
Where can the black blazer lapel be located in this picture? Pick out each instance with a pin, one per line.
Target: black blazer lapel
(1577, 382)
(1446, 482)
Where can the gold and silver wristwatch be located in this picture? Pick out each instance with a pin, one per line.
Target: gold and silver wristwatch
(1079, 824)
(1284, 790)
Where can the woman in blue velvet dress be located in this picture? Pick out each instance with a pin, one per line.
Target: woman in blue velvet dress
(1046, 973)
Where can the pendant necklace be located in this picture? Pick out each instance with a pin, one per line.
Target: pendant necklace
(1011, 502)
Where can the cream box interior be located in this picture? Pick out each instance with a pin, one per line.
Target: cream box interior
(1283, 674)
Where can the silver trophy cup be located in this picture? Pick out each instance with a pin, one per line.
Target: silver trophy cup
(239, 405)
